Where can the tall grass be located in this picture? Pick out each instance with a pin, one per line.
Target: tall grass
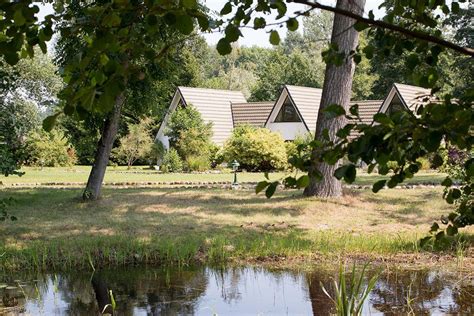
(349, 298)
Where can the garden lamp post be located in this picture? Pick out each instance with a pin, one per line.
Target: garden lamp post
(235, 166)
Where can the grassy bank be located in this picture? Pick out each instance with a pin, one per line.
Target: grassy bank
(121, 174)
(177, 226)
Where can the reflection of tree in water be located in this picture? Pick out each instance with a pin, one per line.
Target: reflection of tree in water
(228, 281)
(167, 293)
(14, 297)
(424, 288)
(463, 295)
(320, 302)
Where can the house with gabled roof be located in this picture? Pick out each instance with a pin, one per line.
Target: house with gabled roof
(214, 106)
(296, 110)
(293, 114)
(404, 97)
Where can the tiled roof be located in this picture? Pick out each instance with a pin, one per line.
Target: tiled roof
(307, 101)
(367, 110)
(214, 106)
(411, 95)
(252, 113)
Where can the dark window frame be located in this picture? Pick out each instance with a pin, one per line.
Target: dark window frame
(288, 113)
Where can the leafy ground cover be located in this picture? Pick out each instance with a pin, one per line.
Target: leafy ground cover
(55, 229)
(122, 174)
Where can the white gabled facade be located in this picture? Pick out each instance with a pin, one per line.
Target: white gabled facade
(295, 112)
(403, 96)
(214, 106)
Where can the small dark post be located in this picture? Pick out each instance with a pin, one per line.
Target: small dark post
(235, 167)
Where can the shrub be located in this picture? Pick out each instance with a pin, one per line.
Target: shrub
(256, 149)
(199, 163)
(299, 147)
(136, 144)
(424, 163)
(171, 161)
(454, 160)
(191, 137)
(157, 152)
(49, 149)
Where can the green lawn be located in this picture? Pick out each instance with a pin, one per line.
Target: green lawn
(137, 174)
(55, 229)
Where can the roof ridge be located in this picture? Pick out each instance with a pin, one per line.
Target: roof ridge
(409, 85)
(290, 85)
(226, 90)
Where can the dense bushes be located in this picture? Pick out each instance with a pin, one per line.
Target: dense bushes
(49, 149)
(256, 149)
(171, 161)
(190, 137)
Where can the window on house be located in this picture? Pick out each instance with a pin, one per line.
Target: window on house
(287, 112)
(396, 105)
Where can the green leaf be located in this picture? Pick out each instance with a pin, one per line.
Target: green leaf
(334, 110)
(434, 227)
(49, 122)
(369, 51)
(455, 7)
(189, 4)
(451, 230)
(11, 58)
(223, 46)
(292, 24)
(226, 9)
(377, 186)
(447, 182)
(260, 186)
(360, 26)
(383, 119)
(271, 189)
(354, 110)
(274, 38)
(184, 24)
(203, 22)
(357, 58)
(469, 166)
(302, 181)
(18, 17)
(112, 19)
(348, 172)
(259, 23)
(232, 33)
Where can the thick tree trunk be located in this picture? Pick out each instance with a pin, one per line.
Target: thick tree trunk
(336, 90)
(104, 147)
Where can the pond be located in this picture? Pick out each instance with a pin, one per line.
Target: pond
(231, 291)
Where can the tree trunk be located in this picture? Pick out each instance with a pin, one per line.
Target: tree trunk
(104, 147)
(337, 89)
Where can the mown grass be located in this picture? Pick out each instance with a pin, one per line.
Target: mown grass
(55, 229)
(136, 174)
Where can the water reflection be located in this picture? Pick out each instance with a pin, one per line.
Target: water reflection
(243, 291)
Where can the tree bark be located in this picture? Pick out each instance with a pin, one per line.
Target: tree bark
(104, 147)
(337, 89)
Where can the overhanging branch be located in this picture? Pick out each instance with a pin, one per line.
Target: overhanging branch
(382, 24)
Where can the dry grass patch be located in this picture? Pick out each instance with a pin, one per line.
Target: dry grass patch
(182, 224)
